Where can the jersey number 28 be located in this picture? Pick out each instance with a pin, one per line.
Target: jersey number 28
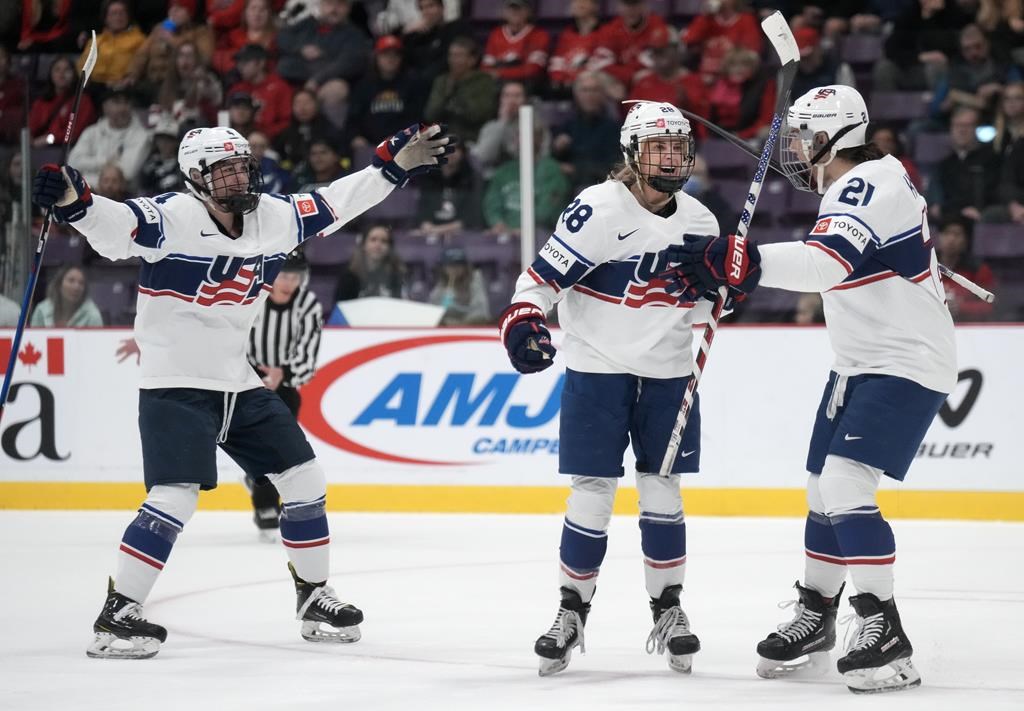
(575, 215)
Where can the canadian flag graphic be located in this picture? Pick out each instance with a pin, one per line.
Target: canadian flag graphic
(30, 357)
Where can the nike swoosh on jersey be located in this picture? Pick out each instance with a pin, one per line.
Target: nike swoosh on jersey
(627, 234)
(211, 234)
(850, 438)
(687, 454)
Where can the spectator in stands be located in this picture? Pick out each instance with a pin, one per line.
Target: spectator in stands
(459, 288)
(499, 136)
(816, 67)
(307, 124)
(954, 250)
(624, 43)
(375, 268)
(112, 184)
(517, 50)
(667, 80)
(742, 99)
(153, 61)
(275, 178)
(964, 182)
(847, 16)
(917, 51)
(258, 27)
(67, 303)
(116, 45)
(408, 16)
(464, 97)
(575, 46)
(271, 94)
(12, 100)
(450, 198)
(587, 145)
(161, 173)
(119, 136)
(426, 42)
(725, 25)
(241, 112)
(323, 165)
(809, 309)
(1009, 147)
(550, 190)
(975, 79)
(45, 26)
(48, 119)
(190, 92)
(700, 186)
(10, 312)
(889, 142)
(227, 15)
(326, 55)
(1003, 23)
(389, 98)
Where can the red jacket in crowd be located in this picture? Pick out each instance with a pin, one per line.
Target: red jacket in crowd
(712, 39)
(686, 90)
(621, 50)
(571, 54)
(522, 56)
(273, 97)
(50, 116)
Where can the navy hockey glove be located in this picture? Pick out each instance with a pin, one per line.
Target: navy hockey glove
(416, 150)
(702, 264)
(526, 338)
(65, 191)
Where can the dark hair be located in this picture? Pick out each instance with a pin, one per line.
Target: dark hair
(955, 220)
(127, 9)
(467, 43)
(860, 154)
(392, 262)
(875, 128)
(50, 92)
(62, 312)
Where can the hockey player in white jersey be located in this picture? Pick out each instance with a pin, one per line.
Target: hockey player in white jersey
(627, 349)
(871, 257)
(209, 256)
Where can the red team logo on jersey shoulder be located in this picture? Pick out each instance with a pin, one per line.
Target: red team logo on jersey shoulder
(306, 207)
(822, 226)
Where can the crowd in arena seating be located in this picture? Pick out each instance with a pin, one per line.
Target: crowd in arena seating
(316, 84)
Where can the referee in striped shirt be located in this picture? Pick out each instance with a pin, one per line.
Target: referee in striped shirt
(283, 347)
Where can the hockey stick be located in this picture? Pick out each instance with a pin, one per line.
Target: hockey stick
(777, 30)
(946, 272)
(37, 261)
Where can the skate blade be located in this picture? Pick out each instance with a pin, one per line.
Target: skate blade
(682, 663)
(553, 666)
(816, 665)
(108, 646)
(323, 632)
(901, 675)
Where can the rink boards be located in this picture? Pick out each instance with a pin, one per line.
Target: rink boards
(436, 420)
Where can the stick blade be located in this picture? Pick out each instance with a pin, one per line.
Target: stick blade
(776, 29)
(90, 60)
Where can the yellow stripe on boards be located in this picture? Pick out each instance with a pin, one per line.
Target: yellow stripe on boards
(962, 505)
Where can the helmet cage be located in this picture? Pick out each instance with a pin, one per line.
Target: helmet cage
(649, 171)
(214, 189)
(804, 154)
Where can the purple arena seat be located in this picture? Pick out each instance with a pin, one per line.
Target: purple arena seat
(899, 105)
(723, 157)
(861, 49)
(930, 148)
(998, 241)
(63, 249)
(486, 11)
(329, 251)
(399, 206)
(552, 10)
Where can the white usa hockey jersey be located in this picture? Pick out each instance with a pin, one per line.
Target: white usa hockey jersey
(200, 290)
(600, 267)
(871, 256)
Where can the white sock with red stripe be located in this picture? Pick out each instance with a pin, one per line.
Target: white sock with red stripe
(304, 530)
(865, 538)
(824, 566)
(585, 533)
(662, 531)
(147, 542)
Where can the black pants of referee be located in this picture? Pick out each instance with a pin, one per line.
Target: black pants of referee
(266, 503)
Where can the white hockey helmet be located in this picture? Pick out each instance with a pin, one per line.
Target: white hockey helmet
(203, 148)
(656, 119)
(820, 123)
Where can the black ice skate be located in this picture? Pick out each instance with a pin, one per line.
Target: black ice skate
(266, 506)
(555, 646)
(878, 658)
(122, 632)
(324, 617)
(811, 634)
(672, 631)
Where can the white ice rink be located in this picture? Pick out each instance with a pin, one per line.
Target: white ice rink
(454, 603)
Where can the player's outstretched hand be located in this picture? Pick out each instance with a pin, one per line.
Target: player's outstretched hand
(63, 190)
(413, 151)
(526, 338)
(704, 263)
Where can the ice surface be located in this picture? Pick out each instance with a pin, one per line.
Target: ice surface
(453, 604)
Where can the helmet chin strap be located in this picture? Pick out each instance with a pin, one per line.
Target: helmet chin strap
(815, 162)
